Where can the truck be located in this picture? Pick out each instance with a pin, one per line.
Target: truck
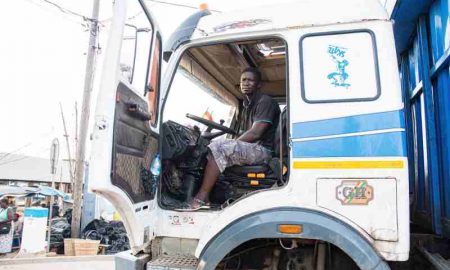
(335, 194)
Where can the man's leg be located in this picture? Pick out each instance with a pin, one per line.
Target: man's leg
(210, 177)
(226, 153)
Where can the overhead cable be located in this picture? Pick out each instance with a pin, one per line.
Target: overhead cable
(179, 5)
(67, 11)
(6, 154)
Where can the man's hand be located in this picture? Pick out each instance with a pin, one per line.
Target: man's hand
(255, 133)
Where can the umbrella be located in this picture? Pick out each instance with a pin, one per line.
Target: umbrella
(49, 191)
(16, 191)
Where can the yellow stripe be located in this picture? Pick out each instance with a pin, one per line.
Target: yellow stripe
(369, 164)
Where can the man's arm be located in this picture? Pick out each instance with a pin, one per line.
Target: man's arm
(255, 132)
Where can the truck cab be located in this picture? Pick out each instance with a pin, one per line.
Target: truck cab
(334, 194)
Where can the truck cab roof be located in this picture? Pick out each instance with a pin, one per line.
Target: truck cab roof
(203, 24)
(268, 53)
(290, 15)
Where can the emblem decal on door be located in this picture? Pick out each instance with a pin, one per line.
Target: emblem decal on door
(354, 192)
(339, 77)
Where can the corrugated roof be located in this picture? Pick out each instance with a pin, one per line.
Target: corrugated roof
(27, 168)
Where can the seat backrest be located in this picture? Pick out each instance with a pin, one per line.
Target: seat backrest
(280, 143)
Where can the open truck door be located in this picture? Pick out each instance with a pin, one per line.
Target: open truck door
(126, 131)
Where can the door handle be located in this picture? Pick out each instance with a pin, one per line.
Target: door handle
(136, 111)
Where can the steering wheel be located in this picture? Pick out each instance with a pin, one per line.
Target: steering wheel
(211, 124)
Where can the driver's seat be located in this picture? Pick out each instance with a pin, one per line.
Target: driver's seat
(260, 176)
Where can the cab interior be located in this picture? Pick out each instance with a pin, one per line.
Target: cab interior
(203, 103)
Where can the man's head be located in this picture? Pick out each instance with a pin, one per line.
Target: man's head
(250, 81)
(4, 203)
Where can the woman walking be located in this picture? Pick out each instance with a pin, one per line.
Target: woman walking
(6, 226)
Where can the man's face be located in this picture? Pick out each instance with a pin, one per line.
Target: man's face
(249, 83)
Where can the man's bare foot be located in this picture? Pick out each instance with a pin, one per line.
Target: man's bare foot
(194, 205)
(197, 203)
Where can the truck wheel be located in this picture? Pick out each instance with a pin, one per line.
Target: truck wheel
(297, 259)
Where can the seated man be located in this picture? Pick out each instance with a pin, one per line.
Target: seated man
(257, 126)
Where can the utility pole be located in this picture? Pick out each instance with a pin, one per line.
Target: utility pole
(84, 122)
(68, 145)
(54, 157)
(76, 127)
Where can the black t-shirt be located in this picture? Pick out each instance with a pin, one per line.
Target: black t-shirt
(261, 108)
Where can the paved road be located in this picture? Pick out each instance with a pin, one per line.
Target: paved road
(99, 262)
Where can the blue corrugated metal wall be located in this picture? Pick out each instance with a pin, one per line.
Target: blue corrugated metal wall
(425, 74)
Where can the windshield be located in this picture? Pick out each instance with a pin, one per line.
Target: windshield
(189, 95)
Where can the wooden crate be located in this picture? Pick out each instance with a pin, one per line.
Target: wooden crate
(83, 247)
(68, 247)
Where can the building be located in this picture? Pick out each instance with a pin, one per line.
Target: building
(26, 170)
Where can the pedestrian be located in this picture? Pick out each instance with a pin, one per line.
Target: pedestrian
(6, 226)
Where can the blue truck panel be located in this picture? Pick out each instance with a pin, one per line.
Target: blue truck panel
(439, 25)
(425, 75)
(413, 67)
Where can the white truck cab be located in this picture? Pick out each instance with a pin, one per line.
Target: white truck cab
(335, 193)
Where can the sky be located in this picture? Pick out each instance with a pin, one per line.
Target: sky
(43, 56)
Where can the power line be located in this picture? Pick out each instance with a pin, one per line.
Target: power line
(66, 10)
(23, 146)
(173, 4)
(23, 157)
(14, 160)
(15, 151)
(63, 10)
(101, 22)
(180, 5)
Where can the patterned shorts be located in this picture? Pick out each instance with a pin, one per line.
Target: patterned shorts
(228, 152)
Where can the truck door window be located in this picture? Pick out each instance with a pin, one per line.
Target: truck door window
(128, 52)
(189, 95)
(339, 67)
(136, 46)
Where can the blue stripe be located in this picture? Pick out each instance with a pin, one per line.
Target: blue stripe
(350, 124)
(391, 144)
(36, 212)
